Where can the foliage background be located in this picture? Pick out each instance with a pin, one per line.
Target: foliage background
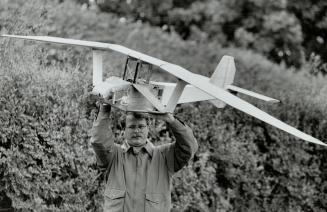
(46, 161)
(283, 30)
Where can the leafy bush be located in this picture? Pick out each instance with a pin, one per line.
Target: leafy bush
(283, 30)
(46, 162)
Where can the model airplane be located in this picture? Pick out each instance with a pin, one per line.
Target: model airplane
(134, 91)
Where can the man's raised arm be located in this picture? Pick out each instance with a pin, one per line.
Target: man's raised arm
(185, 146)
(179, 153)
(102, 138)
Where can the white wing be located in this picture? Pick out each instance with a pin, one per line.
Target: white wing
(94, 45)
(236, 102)
(188, 77)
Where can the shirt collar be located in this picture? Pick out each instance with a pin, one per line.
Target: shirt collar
(148, 147)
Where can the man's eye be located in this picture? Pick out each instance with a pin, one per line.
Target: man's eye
(142, 127)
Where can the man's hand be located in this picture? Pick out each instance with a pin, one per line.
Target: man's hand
(167, 117)
(104, 110)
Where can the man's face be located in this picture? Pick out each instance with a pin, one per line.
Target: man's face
(136, 131)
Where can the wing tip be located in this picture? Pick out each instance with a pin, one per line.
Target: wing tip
(274, 101)
(316, 141)
(11, 36)
(323, 144)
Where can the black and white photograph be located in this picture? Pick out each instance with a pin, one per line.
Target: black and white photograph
(163, 106)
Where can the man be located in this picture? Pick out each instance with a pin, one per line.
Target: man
(139, 173)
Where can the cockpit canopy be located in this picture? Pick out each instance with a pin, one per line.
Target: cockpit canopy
(137, 71)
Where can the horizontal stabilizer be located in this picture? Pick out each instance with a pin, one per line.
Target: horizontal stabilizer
(252, 94)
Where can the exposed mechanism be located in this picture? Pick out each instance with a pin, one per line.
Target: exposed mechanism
(125, 95)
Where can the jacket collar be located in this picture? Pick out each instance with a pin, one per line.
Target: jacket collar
(148, 147)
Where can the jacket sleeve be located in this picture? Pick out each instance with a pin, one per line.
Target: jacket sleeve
(102, 138)
(181, 151)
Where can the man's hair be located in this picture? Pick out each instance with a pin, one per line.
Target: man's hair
(138, 115)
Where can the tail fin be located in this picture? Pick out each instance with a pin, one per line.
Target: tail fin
(223, 76)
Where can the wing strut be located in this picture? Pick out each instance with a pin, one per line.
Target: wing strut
(173, 100)
(97, 67)
(252, 94)
(149, 96)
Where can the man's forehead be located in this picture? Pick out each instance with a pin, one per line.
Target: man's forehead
(132, 119)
